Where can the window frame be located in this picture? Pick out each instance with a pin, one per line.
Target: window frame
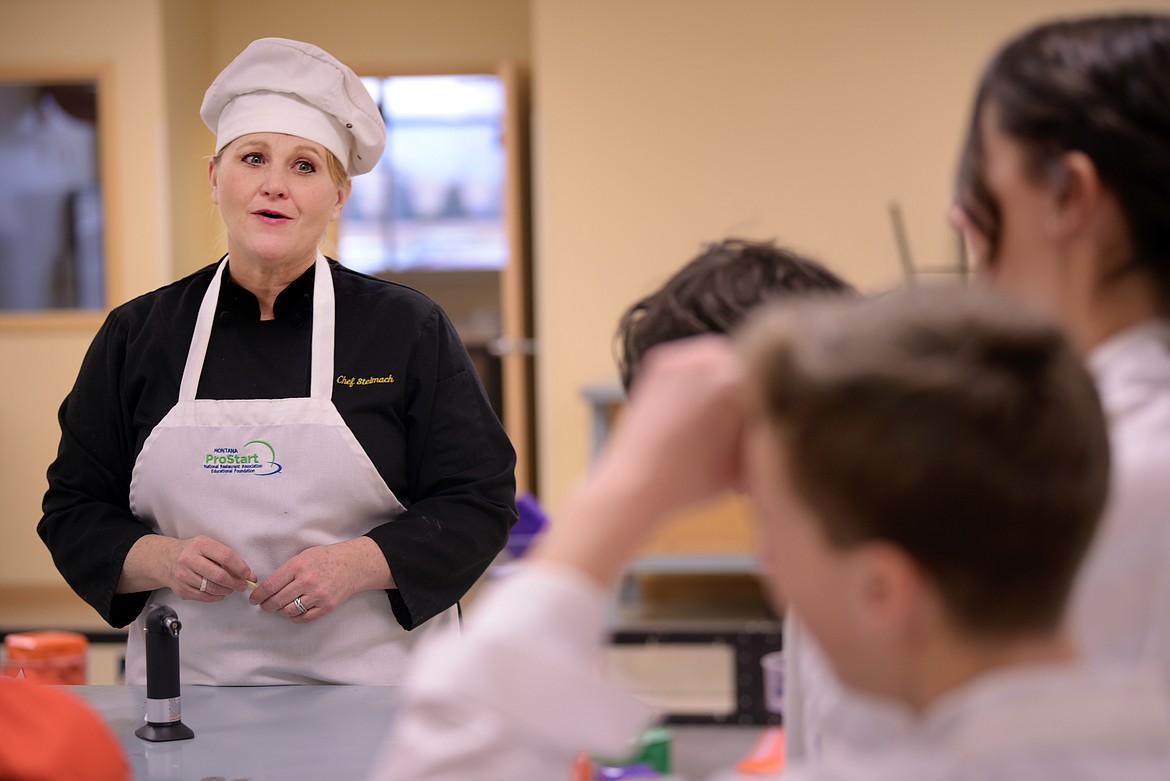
(78, 318)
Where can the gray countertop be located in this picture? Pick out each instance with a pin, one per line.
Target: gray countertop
(258, 733)
(290, 733)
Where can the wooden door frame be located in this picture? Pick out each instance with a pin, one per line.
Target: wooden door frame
(518, 342)
(516, 345)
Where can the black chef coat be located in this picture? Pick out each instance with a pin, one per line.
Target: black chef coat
(404, 385)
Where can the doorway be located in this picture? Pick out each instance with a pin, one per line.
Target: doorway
(446, 212)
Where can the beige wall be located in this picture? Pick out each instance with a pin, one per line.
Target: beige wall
(662, 124)
(119, 38)
(187, 37)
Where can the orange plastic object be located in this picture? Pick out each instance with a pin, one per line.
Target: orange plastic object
(768, 754)
(52, 733)
(582, 768)
(46, 657)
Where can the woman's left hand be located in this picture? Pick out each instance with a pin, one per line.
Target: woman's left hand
(321, 578)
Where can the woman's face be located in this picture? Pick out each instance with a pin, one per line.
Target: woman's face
(1024, 260)
(276, 196)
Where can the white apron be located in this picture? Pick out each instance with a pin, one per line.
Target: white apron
(269, 478)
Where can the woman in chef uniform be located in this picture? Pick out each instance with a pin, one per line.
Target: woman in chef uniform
(277, 419)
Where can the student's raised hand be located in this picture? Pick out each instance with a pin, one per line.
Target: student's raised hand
(677, 443)
(680, 435)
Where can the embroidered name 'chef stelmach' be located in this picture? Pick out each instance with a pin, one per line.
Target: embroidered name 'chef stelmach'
(350, 382)
(254, 458)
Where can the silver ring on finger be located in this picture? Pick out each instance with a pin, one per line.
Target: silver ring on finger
(203, 586)
(301, 609)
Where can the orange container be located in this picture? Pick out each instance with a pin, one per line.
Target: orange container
(46, 657)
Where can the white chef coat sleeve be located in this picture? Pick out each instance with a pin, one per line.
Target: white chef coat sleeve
(519, 694)
(794, 721)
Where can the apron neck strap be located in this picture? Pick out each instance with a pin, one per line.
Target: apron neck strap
(321, 377)
(321, 374)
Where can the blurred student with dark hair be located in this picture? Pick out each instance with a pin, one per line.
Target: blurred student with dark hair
(714, 292)
(1064, 196)
(928, 468)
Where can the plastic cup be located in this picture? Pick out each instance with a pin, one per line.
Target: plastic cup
(46, 657)
(773, 667)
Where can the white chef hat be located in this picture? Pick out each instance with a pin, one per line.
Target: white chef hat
(278, 85)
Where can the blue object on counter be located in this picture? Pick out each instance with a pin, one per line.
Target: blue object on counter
(531, 521)
(640, 770)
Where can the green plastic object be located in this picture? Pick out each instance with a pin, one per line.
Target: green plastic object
(651, 748)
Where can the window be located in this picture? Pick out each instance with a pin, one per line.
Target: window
(51, 225)
(435, 201)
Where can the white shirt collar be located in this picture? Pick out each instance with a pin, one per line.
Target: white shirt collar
(1025, 708)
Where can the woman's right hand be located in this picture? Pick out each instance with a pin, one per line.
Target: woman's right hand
(155, 561)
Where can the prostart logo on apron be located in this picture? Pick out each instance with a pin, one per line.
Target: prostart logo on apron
(254, 458)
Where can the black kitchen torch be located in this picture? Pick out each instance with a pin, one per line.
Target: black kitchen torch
(163, 714)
